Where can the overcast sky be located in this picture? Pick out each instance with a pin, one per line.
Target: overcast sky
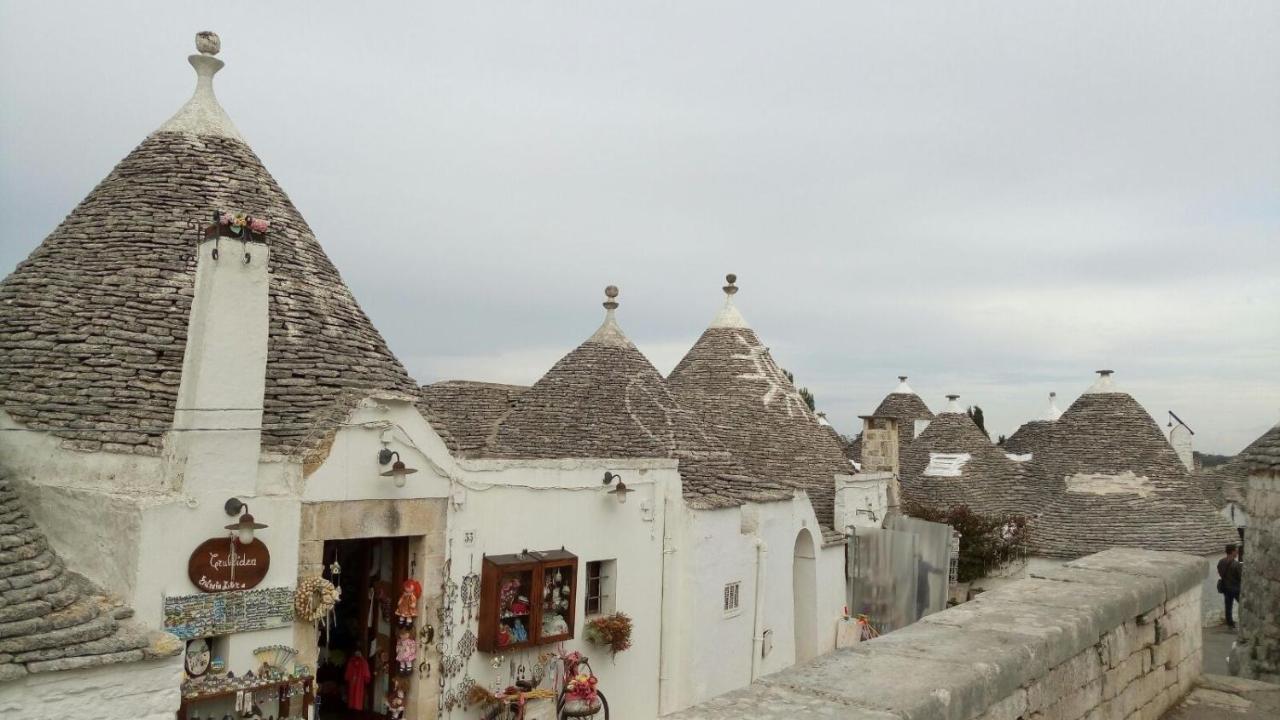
(995, 198)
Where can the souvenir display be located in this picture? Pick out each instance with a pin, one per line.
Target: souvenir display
(357, 676)
(526, 599)
(275, 660)
(197, 658)
(395, 700)
(470, 591)
(406, 651)
(407, 607)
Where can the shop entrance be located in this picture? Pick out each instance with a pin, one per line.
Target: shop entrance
(357, 654)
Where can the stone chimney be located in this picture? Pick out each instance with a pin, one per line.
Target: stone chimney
(217, 436)
(879, 444)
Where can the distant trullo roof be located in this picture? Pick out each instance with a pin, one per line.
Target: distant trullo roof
(1264, 453)
(606, 400)
(1033, 432)
(52, 619)
(731, 379)
(1229, 482)
(905, 406)
(1107, 477)
(954, 463)
(93, 323)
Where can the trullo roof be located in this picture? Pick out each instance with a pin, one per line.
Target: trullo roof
(733, 382)
(606, 400)
(905, 406)
(52, 619)
(93, 323)
(1107, 477)
(954, 463)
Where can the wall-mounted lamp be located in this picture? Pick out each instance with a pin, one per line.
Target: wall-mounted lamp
(620, 490)
(245, 526)
(398, 469)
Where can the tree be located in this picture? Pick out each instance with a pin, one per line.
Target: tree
(987, 542)
(804, 391)
(975, 414)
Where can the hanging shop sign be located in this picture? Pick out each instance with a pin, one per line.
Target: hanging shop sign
(224, 563)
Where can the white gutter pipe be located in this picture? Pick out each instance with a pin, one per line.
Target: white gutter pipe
(757, 630)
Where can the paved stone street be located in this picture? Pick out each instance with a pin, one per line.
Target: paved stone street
(1222, 697)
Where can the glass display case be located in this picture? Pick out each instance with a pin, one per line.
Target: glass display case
(527, 598)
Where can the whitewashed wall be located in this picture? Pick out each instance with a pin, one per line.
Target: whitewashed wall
(716, 547)
(502, 507)
(123, 691)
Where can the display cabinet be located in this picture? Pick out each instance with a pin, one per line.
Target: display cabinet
(527, 598)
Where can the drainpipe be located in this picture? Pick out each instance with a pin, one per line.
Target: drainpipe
(757, 630)
(667, 607)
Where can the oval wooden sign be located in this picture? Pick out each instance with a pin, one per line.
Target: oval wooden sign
(224, 563)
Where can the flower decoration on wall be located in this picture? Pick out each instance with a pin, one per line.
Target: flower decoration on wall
(613, 631)
(237, 225)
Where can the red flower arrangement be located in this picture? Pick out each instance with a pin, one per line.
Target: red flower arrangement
(611, 630)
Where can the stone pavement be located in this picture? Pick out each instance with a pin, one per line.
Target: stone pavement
(1222, 697)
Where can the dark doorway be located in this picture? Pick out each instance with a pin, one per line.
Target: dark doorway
(357, 651)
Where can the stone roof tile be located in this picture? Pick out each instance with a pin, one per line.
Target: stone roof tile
(50, 618)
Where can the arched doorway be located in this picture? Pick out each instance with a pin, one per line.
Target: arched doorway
(804, 596)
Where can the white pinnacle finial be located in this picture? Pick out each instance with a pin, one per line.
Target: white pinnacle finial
(903, 388)
(1104, 383)
(1053, 413)
(953, 405)
(729, 317)
(202, 115)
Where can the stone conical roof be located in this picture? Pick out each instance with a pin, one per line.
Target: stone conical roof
(50, 618)
(731, 379)
(904, 405)
(1229, 482)
(93, 323)
(606, 400)
(1107, 477)
(954, 463)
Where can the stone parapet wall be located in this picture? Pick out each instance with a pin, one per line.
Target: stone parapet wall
(1260, 594)
(1111, 636)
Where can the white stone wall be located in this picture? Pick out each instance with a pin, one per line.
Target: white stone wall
(124, 691)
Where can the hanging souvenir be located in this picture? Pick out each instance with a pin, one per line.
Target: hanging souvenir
(406, 651)
(407, 607)
(470, 591)
(395, 700)
(197, 658)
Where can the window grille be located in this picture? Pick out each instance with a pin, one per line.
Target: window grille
(600, 584)
(732, 592)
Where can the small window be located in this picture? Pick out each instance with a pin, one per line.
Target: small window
(732, 591)
(600, 587)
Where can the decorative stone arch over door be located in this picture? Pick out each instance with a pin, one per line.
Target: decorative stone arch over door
(804, 596)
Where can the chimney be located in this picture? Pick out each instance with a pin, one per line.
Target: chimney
(217, 436)
(879, 444)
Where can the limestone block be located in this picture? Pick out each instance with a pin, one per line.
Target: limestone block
(1012, 707)
(1170, 652)
(1067, 678)
(1075, 704)
(311, 552)
(1117, 679)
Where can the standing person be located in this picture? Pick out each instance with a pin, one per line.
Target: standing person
(1229, 568)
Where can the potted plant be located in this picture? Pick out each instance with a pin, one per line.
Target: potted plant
(613, 631)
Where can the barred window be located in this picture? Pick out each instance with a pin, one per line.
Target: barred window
(732, 592)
